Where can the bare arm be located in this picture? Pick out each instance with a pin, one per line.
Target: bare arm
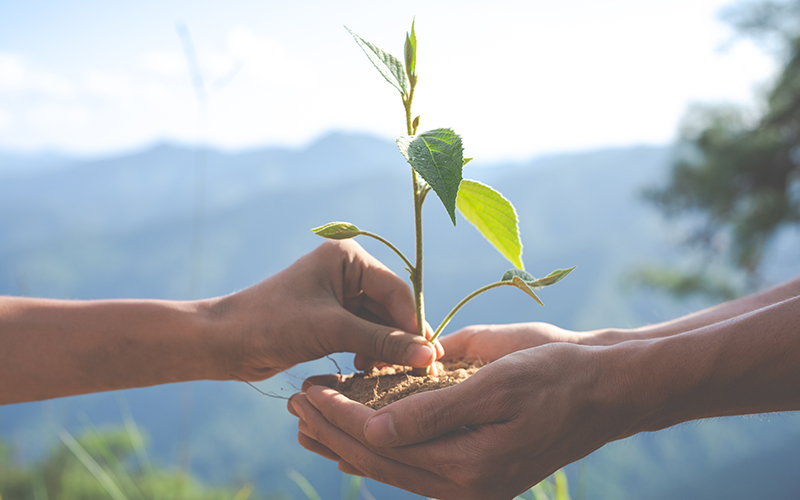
(53, 348)
(337, 298)
(696, 320)
(490, 342)
(533, 411)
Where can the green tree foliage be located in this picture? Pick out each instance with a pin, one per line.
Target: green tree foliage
(64, 475)
(736, 176)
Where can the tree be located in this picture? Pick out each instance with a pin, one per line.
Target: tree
(736, 174)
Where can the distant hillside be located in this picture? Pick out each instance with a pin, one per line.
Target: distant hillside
(122, 227)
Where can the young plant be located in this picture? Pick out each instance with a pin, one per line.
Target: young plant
(437, 160)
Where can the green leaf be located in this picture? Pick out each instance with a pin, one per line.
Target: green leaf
(517, 282)
(494, 216)
(552, 278)
(437, 155)
(411, 53)
(337, 231)
(303, 483)
(524, 275)
(386, 64)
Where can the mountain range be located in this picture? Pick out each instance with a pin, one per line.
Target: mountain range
(178, 222)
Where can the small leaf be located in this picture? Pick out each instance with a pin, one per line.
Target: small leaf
(551, 279)
(411, 53)
(386, 64)
(524, 275)
(467, 160)
(415, 123)
(437, 155)
(517, 282)
(337, 231)
(494, 216)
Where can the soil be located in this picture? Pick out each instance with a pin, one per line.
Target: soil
(382, 386)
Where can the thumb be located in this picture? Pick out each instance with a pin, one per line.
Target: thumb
(386, 344)
(425, 416)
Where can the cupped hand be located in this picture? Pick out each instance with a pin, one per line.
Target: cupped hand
(337, 298)
(491, 342)
(493, 436)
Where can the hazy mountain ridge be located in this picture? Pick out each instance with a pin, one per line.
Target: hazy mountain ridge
(121, 227)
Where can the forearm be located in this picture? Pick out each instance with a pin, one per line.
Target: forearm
(706, 317)
(746, 364)
(53, 348)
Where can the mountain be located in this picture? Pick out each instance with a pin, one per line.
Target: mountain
(124, 226)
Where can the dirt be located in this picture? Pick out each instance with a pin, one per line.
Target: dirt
(382, 386)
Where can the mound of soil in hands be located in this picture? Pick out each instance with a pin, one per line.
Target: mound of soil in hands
(382, 386)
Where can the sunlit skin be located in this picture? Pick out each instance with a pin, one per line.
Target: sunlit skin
(337, 298)
(552, 396)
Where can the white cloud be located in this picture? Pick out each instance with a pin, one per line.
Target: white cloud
(12, 72)
(109, 85)
(267, 60)
(168, 63)
(17, 75)
(6, 119)
(55, 116)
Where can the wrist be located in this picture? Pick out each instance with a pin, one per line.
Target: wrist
(221, 334)
(603, 337)
(631, 387)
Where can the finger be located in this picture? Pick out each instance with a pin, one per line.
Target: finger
(291, 409)
(325, 380)
(383, 343)
(456, 344)
(374, 311)
(384, 287)
(316, 447)
(349, 469)
(372, 465)
(415, 419)
(365, 363)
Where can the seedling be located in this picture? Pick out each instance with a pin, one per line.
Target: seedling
(437, 160)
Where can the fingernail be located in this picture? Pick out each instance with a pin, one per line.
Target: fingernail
(420, 355)
(379, 430)
(298, 409)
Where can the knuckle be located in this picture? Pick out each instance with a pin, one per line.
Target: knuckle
(431, 417)
(381, 347)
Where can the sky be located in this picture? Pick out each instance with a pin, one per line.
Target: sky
(515, 78)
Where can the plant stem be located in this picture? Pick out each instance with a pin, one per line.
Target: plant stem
(419, 198)
(389, 244)
(416, 275)
(466, 299)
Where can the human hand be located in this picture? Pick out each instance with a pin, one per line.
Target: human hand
(337, 298)
(493, 436)
(491, 342)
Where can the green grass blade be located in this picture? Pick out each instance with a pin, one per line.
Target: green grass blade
(352, 488)
(244, 493)
(98, 472)
(538, 492)
(117, 472)
(303, 483)
(562, 491)
(134, 434)
(39, 488)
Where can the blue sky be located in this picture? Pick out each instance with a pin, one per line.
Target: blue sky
(516, 79)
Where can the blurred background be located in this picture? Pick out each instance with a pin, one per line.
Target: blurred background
(183, 150)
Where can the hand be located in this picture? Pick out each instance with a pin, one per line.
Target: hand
(337, 298)
(491, 342)
(506, 428)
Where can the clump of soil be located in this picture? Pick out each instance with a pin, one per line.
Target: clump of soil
(381, 386)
